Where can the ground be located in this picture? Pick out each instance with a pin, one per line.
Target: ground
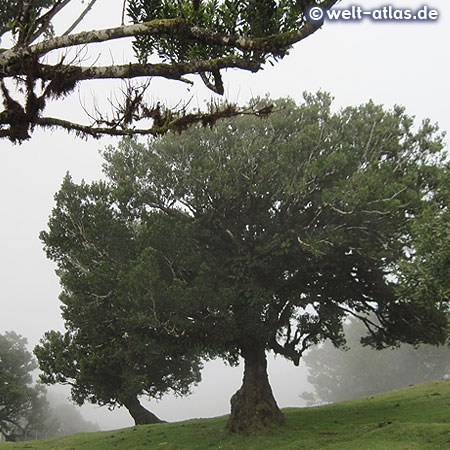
(415, 417)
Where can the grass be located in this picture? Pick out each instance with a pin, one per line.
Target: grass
(415, 417)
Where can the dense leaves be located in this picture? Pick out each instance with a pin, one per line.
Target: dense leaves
(303, 217)
(260, 234)
(305, 213)
(119, 342)
(12, 14)
(245, 18)
(423, 273)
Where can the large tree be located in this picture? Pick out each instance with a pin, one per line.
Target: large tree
(271, 231)
(172, 39)
(118, 343)
(22, 402)
(301, 218)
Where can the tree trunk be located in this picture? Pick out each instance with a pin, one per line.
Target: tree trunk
(253, 407)
(140, 415)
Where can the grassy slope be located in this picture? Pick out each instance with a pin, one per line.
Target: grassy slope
(416, 417)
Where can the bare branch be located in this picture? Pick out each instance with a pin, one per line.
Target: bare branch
(172, 122)
(80, 18)
(217, 86)
(170, 71)
(124, 7)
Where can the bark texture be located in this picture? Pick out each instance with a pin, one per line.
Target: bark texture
(253, 407)
(140, 415)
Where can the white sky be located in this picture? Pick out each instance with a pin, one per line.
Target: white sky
(390, 62)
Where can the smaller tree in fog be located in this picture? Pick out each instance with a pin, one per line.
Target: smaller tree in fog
(23, 405)
(358, 371)
(64, 418)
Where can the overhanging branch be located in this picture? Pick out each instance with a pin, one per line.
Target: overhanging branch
(173, 122)
(170, 71)
(216, 51)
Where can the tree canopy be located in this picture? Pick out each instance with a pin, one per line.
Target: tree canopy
(423, 271)
(172, 39)
(119, 343)
(277, 230)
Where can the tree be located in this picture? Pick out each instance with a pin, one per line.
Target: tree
(423, 271)
(359, 371)
(271, 232)
(180, 38)
(65, 418)
(300, 218)
(22, 403)
(118, 343)
(25, 412)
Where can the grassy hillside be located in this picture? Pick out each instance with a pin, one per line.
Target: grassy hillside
(415, 417)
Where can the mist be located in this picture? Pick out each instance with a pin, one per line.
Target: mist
(392, 63)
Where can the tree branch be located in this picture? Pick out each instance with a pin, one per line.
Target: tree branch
(23, 63)
(126, 71)
(80, 18)
(173, 122)
(44, 21)
(171, 27)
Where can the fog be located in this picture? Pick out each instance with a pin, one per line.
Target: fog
(392, 63)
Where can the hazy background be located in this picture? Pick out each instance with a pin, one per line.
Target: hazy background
(389, 62)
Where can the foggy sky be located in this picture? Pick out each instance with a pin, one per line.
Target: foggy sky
(391, 63)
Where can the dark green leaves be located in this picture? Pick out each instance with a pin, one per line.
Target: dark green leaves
(122, 338)
(247, 18)
(302, 216)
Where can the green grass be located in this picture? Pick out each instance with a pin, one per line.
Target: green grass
(415, 417)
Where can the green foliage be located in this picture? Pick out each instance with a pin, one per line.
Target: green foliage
(423, 272)
(299, 217)
(22, 403)
(414, 418)
(361, 371)
(11, 15)
(119, 341)
(247, 18)
(259, 234)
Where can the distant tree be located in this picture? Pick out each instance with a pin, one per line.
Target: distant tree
(117, 307)
(338, 374)
(276, 230)
(65, 418)
(23, 405)
(172, 39)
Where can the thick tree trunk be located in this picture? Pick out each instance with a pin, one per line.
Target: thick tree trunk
(253, 407)
(140, 415)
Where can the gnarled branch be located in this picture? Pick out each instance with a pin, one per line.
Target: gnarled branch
(23, 63)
